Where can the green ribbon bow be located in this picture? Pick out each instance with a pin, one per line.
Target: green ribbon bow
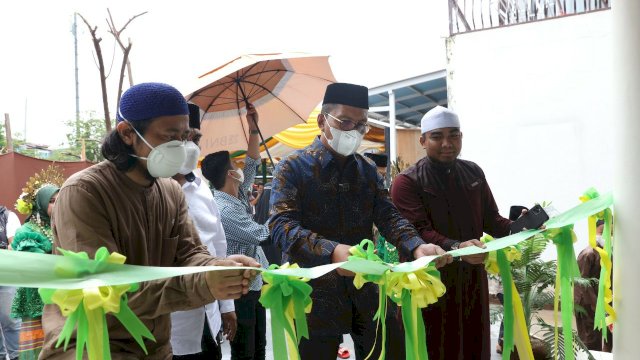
(288, 299)
(413, 291)
(86, 308)
(366, 251)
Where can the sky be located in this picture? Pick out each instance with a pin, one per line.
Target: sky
(369, 42)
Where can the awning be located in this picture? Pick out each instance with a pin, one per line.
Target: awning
(302, 135)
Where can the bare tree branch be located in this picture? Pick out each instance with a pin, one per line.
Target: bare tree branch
(116, 34)
(103, 79)
(125, 61)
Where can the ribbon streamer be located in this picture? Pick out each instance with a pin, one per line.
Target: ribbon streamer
(366, 251)
(605, 293)
(515, 326)
(564, 238)
(288, 299)
(87, 308)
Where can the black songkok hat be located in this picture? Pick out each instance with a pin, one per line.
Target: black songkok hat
(379, 159)
(347, 94)
(194, 116)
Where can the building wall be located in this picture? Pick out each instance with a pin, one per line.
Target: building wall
(409, 148)
(534, 102)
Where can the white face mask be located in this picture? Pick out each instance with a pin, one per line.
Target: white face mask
(240, 175)
(344, 143)
(600, 240)
(191, 161)
(164, 160)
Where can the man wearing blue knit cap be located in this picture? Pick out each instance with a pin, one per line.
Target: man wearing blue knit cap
(129, 205)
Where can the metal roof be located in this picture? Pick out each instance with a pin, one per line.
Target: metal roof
(413, 98)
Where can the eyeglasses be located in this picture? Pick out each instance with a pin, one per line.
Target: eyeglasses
(348, 125)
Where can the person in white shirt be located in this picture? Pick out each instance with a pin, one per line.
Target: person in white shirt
(188, 339)
(9, 327)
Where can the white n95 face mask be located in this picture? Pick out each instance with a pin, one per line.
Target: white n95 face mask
(164, 160)
(191, 161)
(345, 143)
(240, 174)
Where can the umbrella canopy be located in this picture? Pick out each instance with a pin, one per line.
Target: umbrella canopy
(284, 88)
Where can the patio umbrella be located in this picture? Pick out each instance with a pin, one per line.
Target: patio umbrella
(284, 88)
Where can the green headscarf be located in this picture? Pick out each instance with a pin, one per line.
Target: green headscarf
(43, 196)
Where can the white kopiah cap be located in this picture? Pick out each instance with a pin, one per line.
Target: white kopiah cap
(439, 117)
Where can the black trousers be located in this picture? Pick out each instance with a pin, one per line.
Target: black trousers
(363, 333)
(210, 348)
(250, 340)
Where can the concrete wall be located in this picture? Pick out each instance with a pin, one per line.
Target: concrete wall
(534, 102)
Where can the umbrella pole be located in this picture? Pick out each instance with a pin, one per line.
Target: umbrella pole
(266, 148)
(246, 103)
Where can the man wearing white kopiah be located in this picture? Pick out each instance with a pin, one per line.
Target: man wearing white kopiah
(450, 203)
(127, 204)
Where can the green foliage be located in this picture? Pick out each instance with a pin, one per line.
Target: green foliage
(534, 278)
(548, 335)
(92, 132)
(3, 139)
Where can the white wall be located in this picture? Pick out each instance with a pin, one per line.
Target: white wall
(534, 102)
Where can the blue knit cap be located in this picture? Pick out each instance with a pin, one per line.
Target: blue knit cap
(150, 100)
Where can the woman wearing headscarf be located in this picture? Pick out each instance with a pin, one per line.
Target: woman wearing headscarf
(34, 236)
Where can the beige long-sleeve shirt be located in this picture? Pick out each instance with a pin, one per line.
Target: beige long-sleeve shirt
(101, 206)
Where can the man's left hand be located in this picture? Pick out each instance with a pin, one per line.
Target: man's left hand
(477, 258)
(252, 117)
(430, 250)
(229, 325)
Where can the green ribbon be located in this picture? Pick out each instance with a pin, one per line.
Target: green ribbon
(288, 299)
(52, 271)
(505, 274)
(499, 262)
(568, 269)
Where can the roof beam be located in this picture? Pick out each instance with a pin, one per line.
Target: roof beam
(430, 98)
(412, 96)
(408, 82)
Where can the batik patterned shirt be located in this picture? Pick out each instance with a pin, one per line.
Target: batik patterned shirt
(316, 206)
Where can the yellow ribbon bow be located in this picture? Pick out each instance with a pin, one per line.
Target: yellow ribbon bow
(87, 307)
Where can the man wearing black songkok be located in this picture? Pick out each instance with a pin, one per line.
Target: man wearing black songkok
(325, 199)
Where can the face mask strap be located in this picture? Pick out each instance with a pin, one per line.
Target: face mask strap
(134, 129)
